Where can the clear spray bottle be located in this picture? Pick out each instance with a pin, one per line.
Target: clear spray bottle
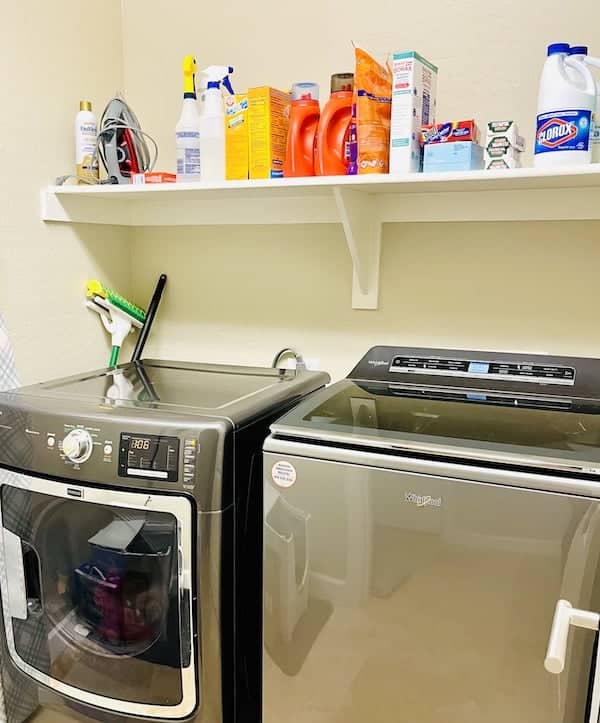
(212, 123)
(187, 131)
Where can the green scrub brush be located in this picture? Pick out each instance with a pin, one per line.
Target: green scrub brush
(118, 315)
(95, 288)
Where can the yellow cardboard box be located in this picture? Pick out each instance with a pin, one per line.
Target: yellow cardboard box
(269, 119)
(236, 137)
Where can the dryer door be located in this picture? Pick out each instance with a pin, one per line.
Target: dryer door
(96, 591)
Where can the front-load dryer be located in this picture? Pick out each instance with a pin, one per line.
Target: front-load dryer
(131, 513)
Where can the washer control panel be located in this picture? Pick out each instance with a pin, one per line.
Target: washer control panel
(498, 370)
(148, 456)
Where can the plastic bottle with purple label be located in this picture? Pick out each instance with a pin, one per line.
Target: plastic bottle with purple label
(566, 101)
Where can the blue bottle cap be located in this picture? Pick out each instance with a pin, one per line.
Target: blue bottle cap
(558, 48)
(578, 50)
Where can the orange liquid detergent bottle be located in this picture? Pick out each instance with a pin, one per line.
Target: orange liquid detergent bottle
(302, 134)
(332, 153)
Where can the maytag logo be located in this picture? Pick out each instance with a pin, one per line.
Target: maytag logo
(378, 363)
(423, 500)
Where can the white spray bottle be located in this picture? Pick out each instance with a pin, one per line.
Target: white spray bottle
(187, 131)
(212, 123)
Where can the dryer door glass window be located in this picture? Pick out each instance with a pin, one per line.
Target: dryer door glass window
(94, 596)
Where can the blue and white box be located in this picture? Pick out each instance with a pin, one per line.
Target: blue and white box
(459, 156)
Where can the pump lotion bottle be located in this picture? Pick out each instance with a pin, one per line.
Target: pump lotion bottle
(86, 138)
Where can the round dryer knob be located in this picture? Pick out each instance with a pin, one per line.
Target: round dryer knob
(78, 445)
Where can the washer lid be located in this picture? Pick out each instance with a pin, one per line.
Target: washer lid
(234, 392)
(554, 432)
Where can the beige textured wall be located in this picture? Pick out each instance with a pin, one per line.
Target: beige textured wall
(239, 293)
(52, 54)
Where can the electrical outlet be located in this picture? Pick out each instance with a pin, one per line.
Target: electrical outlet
(313, 364)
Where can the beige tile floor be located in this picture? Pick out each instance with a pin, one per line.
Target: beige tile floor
(369, 666)
(47, 715)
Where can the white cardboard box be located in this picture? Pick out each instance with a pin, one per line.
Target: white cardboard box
(499, 163)
(414, 85)
(504, 133)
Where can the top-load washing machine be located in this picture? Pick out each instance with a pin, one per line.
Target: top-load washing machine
(131, 519)
(432, 543)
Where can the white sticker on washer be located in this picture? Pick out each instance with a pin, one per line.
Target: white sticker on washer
(284, 474)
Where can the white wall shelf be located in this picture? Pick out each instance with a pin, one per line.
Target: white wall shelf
(360, 203)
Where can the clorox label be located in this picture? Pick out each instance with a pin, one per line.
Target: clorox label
(567, 130)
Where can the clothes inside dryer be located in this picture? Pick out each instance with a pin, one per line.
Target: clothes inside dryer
(101, 592)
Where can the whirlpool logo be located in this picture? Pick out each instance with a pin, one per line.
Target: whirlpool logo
(423, 500)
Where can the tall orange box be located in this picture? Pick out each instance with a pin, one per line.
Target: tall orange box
(268, 123)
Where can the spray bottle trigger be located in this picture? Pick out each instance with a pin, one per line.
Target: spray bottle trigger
(227, 83)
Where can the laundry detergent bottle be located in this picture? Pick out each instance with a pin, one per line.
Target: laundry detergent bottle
(566, 101)
(302, 134)
(332, 151)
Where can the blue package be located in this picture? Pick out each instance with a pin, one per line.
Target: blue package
(457, 156)
(567, 130)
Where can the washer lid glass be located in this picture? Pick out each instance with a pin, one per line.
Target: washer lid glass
(454, 422)
(207, 389)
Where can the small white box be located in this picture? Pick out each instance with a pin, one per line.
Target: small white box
(503, 145)
(493, 164)
(414, 85)
(504, 133)
(493, 152)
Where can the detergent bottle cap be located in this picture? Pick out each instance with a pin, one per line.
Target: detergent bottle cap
(85, 105)
(578, 50)
(218, 74)
(342, 82)
(556, 48)
(305, 91)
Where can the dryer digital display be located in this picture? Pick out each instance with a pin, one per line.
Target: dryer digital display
(148, 456)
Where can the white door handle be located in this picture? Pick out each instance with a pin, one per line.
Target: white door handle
(566, 615)
(15, 574)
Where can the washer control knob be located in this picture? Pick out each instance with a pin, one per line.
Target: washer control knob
(78, 445)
